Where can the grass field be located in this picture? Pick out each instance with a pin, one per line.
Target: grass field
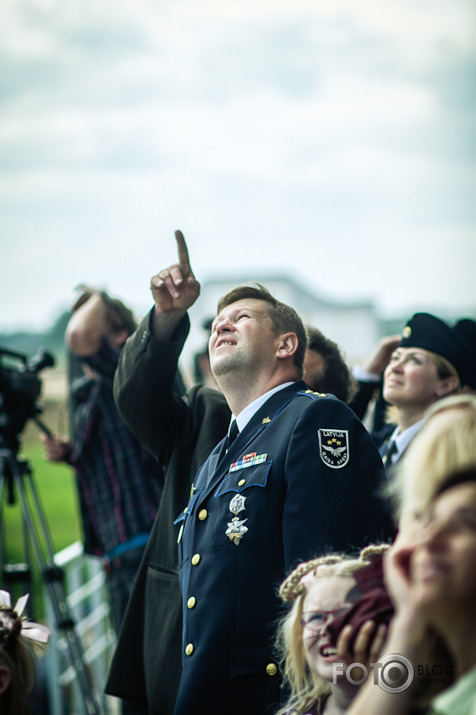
(56, 487)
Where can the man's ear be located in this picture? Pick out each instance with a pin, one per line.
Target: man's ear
(5, 679)
(288, 344)
(448, 386)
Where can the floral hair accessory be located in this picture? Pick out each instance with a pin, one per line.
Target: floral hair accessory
(308, 578)
(316, 566)
(13, 624)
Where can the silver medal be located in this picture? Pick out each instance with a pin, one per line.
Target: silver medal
(236, 527)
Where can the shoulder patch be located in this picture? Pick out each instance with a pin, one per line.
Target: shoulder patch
(334, 447)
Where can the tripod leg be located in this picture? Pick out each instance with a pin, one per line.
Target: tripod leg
(40, 512)
(53, 580)
(14, 575)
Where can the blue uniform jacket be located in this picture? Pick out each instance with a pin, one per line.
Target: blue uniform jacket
(302, 479)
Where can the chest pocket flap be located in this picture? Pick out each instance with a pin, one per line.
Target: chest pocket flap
(243, 477)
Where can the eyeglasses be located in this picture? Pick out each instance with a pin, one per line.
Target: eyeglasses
(317, 620)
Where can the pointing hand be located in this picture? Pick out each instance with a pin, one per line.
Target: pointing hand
(175, 288)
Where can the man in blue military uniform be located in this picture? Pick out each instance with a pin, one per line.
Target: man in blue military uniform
(301, 477)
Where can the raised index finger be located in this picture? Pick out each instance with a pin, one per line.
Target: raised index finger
(184, 259)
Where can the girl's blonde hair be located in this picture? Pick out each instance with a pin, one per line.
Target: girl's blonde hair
(307, 688)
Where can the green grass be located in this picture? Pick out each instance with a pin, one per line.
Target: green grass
(55, 484)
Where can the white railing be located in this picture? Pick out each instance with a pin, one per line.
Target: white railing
(87, 601)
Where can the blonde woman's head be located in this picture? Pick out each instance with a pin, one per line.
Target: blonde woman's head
(445, 444)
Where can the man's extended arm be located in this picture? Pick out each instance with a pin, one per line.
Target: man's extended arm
(143, 384)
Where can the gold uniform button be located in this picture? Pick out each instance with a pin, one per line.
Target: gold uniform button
(202, 515)
(189, 649)
(271, 669)
(242, 482)
(196, 559)
(191, 602)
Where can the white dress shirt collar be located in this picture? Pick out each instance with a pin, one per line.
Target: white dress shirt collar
(246, 414)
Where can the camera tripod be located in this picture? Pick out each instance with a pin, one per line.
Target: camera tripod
(16, 474)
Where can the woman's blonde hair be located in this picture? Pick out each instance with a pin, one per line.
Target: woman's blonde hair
(307, 688)
(443, 367)
(437, 451)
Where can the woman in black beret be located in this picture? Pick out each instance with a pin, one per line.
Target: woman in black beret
(431, 362)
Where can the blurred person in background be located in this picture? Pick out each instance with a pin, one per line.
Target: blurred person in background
(119, 482)
(202, 372)
(325, 369)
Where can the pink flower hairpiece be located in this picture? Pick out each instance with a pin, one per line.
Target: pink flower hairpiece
(14, 624)
(308, 578)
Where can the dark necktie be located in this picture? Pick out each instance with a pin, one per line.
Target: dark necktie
(232, 435)
(390, 450)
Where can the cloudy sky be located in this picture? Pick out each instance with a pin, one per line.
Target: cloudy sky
(331, 140)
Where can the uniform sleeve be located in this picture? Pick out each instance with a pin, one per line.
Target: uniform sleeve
(334, 485)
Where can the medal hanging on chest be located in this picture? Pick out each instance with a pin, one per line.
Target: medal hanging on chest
(236, 527)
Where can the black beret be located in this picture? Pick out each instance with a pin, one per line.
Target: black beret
(428, 332)
(466, 329)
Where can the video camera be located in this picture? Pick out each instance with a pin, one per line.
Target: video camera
(20, 387)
